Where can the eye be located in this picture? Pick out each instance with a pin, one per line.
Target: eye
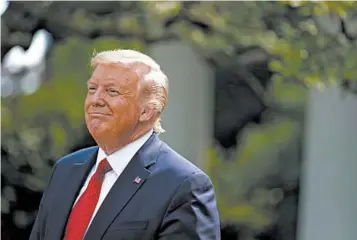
(112, 91)
(91, 89)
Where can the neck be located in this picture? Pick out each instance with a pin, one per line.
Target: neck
(111, 146)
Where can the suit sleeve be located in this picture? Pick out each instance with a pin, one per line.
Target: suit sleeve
(37, 229)
(192, 213)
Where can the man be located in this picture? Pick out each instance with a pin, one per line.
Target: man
(132, 185)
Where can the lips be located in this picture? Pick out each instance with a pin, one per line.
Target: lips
(98, 114)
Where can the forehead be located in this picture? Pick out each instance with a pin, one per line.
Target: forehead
(113, 73)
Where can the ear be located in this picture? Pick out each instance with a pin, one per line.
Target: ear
(147, 113)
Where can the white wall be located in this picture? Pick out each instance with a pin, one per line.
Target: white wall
(328, 209)
(188, 117)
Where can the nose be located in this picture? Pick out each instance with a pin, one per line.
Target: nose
(97, 99)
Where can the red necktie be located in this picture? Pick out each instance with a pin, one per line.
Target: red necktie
(83, 210)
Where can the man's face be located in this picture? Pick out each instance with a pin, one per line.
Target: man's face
(112, 105)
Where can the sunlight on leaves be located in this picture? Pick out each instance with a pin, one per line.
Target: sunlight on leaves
(293, 94)
(59, 136)
(130, 23)
(259, 145)
(165, 9)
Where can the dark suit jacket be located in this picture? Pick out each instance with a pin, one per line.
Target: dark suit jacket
(174, 201)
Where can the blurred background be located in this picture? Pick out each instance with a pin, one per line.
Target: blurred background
(263, 97)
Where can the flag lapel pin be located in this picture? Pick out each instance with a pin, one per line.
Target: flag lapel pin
(137, 180)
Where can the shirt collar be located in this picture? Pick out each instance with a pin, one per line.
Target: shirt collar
(121, 158)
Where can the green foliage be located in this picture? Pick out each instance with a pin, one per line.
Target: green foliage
(289, 94)
(302, 50)
(342, 8)
(257, 159)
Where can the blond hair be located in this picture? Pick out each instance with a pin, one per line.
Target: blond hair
(158, 90)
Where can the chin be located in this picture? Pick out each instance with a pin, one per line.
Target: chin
(96, 127)
(99, 134)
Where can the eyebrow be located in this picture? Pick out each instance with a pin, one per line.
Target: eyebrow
(109, 84)
(94, 79)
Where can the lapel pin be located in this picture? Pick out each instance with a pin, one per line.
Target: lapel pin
(137, 180)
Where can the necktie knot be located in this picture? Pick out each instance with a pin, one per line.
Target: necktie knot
(103, 168)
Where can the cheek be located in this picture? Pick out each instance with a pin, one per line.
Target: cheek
(126, 113)
(86, 103)
(123, 107)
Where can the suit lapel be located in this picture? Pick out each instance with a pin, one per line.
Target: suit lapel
(68, 192)
(124, 188)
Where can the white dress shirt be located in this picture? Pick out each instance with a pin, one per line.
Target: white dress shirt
(118, 161)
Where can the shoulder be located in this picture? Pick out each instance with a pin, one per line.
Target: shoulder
(79, 156)
(177, 167)
(186, 182)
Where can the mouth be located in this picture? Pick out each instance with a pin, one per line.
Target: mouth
(94, 114)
